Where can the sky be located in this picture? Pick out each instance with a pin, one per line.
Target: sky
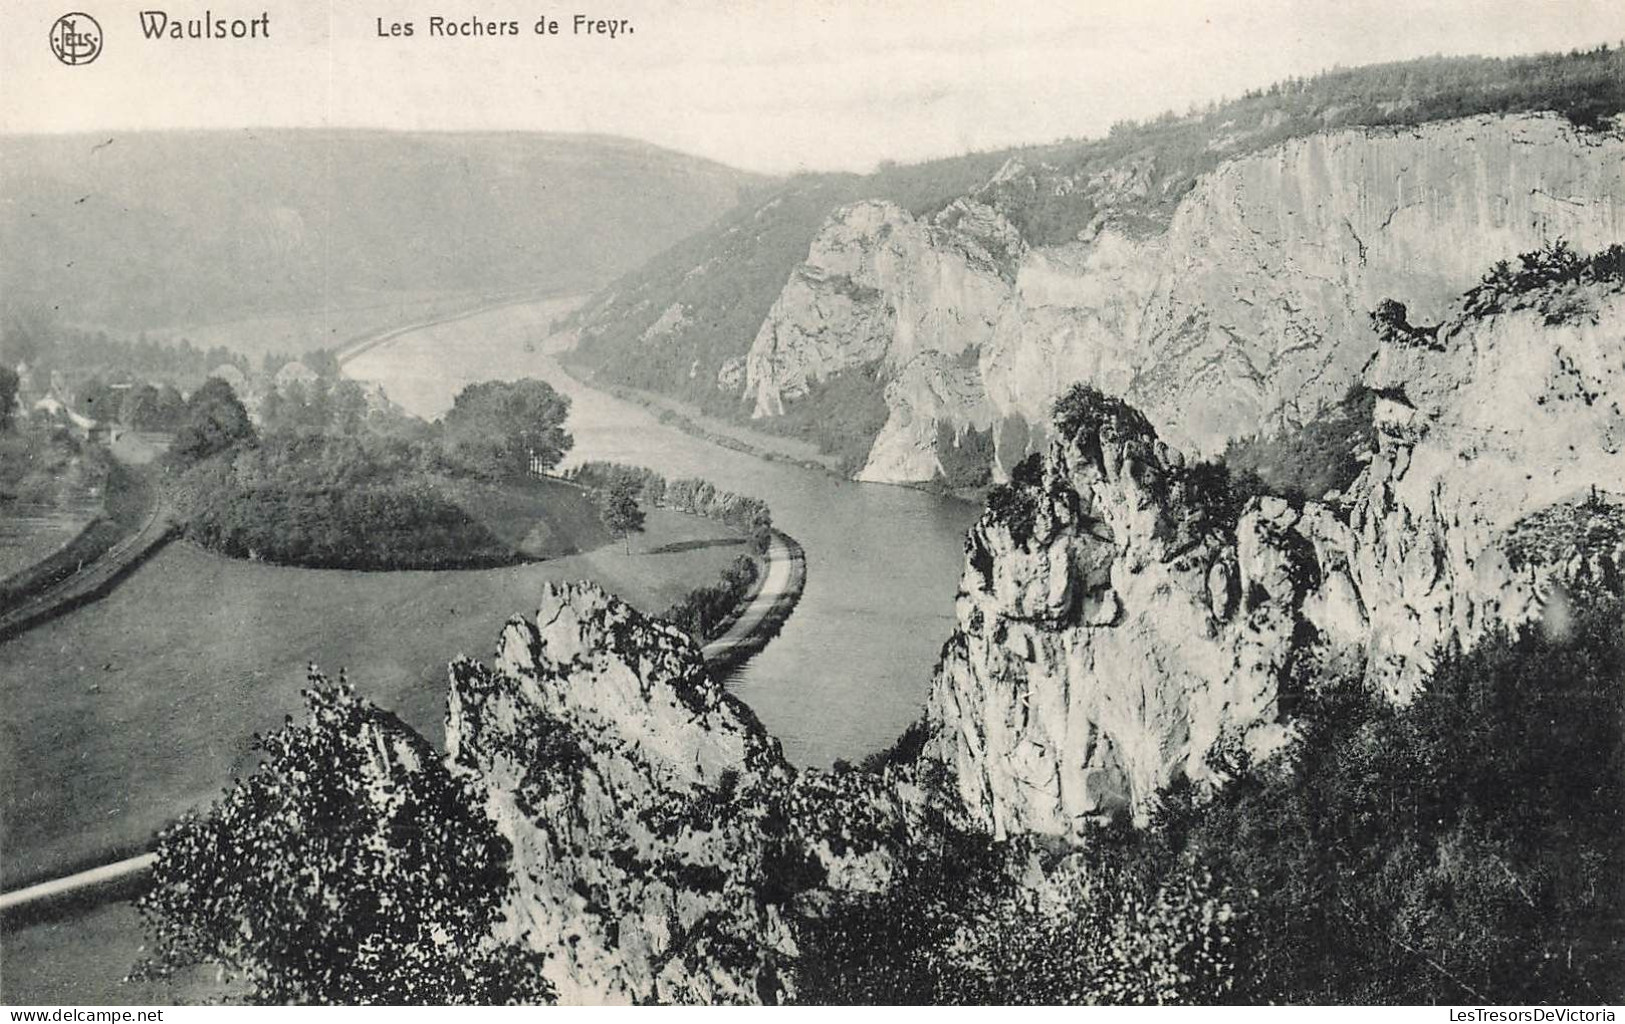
(769, 86)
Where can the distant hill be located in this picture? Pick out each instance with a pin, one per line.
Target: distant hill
(950, 309)
(150, 229)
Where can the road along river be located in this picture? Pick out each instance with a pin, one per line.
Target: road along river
(853, 664)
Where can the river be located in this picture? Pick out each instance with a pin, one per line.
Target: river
(853, 664)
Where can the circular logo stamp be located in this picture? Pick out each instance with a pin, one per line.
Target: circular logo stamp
(76, 39)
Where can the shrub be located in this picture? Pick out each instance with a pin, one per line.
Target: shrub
(351, 867)
(1320, 456)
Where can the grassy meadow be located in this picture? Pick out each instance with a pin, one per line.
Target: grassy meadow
(133, 709)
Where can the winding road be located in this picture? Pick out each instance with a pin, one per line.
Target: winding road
(755, 625)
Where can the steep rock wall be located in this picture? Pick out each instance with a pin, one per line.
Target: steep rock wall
(1247, 313)
(661, 843)
(1118, 628)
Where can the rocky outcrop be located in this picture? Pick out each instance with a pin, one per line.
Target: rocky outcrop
(661, 845)
(1123, 624)
(879, 286)
(1243, 313)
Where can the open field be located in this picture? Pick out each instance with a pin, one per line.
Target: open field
(539, 518)
(129, 711)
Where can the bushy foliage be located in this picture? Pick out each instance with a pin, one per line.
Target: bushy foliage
(619, 510)
(1587, 534)
(145, 407)
(704, 612)
(1471, 846)
(334, 502)
(339, 407)
(841, 414)
(8, 397)
(1320, 456)
(983, 923)
(750, 516)
(215, 422)
(967, 460)
(351, 867)
(1084, 410)
(500, 429)
(42, 462)
(1391, 322)
(1542, 278)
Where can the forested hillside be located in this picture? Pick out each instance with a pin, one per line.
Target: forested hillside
(153, 229)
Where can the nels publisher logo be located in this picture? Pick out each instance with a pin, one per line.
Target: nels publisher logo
(76, 39)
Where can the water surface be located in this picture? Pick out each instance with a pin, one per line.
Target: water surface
(854, 662)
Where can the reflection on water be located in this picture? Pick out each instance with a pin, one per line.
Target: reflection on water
(853, 664)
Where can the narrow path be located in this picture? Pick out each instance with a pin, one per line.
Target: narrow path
(97, 578)
(767, 610)
(358, 348)
(751, 631)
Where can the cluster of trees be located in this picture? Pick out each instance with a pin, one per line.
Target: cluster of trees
(350, 868)
(1467, 847)
(42, 461)
(704, 611)
(502, 429)
(320, 487)
(333, 502)
(1470, 847)
(748, 515)
(324, 362)
(32, 336)
(967, 460)
(340, 406)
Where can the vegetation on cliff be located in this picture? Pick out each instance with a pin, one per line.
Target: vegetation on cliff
(1316, 458)
(725, 281)
(351, 867)
(1469, 847)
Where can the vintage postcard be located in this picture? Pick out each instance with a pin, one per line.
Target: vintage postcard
(812, 502)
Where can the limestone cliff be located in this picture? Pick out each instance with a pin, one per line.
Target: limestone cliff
(1242, 313)
(661, 844)
(1126, 619)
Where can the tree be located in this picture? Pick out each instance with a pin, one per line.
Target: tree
(351, 867)
(139, 407)
(495, 428)
(618, 508)
(215, 421)
(9, 382)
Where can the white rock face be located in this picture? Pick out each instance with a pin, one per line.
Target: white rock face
(1247, 313)
(1117, 631)
(592, 733)
(878, 287)
(659, 838)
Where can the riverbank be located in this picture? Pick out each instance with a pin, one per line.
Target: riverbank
(764, 611)
(159, 687)
(746, 440)
(723, 434)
